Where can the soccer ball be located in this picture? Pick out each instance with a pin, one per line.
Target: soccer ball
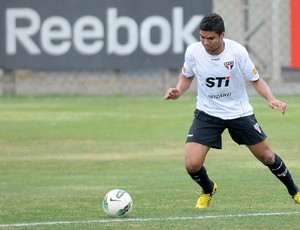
(117, 203)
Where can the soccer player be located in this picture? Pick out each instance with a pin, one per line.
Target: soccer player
(222, 67)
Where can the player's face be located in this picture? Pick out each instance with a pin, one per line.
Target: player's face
(212, 42)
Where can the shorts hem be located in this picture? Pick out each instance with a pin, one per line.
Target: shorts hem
(202, 143)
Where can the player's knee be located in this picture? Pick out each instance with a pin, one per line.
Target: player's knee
(268, 158)
(191, 166)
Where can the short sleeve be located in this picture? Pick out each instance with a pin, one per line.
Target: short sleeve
(188, 65)
(249, 68)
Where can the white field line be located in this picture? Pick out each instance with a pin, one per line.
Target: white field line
(112, 220)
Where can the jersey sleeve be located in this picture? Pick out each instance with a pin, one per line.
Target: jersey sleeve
(249, 69)
(188, 65)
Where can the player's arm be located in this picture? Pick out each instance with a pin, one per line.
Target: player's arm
(263, 89)
(183, 85)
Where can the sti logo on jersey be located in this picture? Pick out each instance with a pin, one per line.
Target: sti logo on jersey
(218, 81)
(229, 65)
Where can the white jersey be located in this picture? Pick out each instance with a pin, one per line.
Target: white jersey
(221, 79)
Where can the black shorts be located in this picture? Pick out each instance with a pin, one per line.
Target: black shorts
(207, 130)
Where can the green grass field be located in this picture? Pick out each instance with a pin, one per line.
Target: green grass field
(59, 156)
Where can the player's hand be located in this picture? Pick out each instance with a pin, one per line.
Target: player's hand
(274, 104)
(172, 93)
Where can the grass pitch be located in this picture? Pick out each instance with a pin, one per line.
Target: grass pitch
(59, 156)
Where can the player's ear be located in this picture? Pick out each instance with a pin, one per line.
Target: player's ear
(222, 34)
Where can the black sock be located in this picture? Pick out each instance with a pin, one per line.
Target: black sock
(279, 169)
(203, 180)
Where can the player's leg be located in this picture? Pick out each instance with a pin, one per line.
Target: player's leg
(195, 154)
(204, 133)
(276, 165)
(194, 160)
(247, 131)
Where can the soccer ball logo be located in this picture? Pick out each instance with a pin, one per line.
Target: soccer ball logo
(117, 203)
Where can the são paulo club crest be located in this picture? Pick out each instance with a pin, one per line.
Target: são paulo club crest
(257, 127)
(229, 65)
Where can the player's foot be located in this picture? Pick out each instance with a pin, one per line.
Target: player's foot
(204, 199)
(297, 197)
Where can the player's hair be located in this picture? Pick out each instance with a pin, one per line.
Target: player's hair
(212, 22)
